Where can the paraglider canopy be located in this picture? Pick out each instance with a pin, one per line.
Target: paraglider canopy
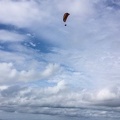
(65, 16)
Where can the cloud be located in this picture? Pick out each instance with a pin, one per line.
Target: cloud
(89, 51)
(18, 12)
(7, 36)
(50, 69)
(23, 75)
(59, 100)
(80, 73)
(108, 97)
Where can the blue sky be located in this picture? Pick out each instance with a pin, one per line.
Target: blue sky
(47, 68)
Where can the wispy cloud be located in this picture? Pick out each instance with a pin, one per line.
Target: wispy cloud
(7, 36)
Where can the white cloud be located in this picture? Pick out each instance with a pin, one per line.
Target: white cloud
(95, 37)
(79, 8)
(20, 13)
(85, 67)
(51, 68)
(7, 36)
(3, 87)
(105, 94)
(35, 14)
(23, 75)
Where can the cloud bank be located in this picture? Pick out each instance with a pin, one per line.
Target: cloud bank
(59, 100)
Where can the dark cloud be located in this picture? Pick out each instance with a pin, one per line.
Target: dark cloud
(57, 100)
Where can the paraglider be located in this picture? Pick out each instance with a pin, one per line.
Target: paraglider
(65, 16)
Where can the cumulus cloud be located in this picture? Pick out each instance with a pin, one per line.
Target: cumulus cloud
(108, 97)
(58, 99)
(24, 76)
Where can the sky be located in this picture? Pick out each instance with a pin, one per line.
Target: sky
(52, 71)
